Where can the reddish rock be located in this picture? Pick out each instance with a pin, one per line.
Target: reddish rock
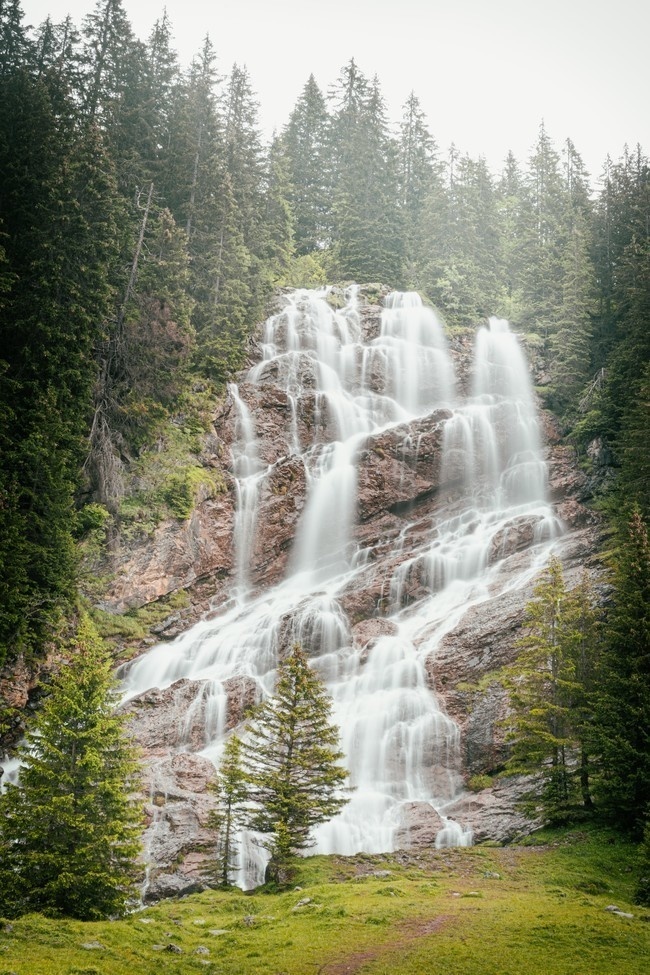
(367, 632)
(176, 555)
(282, 498)
(243, 693)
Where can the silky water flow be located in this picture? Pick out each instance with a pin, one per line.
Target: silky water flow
(400, 745)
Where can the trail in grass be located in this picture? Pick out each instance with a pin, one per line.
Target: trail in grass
(407, 932)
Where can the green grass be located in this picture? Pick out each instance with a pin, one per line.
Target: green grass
(537, 909)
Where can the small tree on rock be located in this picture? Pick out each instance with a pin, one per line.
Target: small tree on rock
(231, 789)
(293, 763)
(70, 829)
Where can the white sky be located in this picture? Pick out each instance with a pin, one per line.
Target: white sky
(486, 71)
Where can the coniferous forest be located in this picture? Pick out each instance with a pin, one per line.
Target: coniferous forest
(145, 226)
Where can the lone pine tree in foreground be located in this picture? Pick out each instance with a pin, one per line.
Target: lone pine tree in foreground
(293, 763)
(70, 829)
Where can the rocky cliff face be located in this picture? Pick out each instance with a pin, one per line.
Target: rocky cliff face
(402, 489)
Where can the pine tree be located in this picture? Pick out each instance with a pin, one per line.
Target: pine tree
(231, 789)
(551, 686)
(623, 713)
(69, 830)
(293, 762)
(58, 218)
(367, 221)
(305, 142)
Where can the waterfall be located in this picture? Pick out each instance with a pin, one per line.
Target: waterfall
(402, 749)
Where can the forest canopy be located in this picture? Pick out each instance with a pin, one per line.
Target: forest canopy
(145, 223)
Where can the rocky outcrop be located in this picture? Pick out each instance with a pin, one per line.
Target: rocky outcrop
(403, 489)
(180, 841)
(176, 556)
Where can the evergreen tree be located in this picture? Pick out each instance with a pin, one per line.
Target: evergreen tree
(509, 194)
(293, 762)
(623, 714)
(108, 44)
(16, 49)
(367, 220)
(540, 236)
(571, 342)
(418, 169)
(231, 788)
(69, 830)
(550, 688)
(59, 223)
(305, 144)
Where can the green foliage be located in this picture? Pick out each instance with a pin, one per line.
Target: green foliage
(642, 892)
(551, 692)
(59, 226)
(292, 762)
(479, 782)
(127, 630)
(623, 703)
(69, 831)
(231, 789)
(546, 912)
(306, 271)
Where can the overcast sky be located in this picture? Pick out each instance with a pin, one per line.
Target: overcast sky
(486, 71)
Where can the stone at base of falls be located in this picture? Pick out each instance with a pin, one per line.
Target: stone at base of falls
(419, 825)
(180, 845)
(493, 814)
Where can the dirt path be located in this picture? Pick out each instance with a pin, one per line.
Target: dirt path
(407, 933)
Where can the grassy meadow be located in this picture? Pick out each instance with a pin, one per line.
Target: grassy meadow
(539, 907)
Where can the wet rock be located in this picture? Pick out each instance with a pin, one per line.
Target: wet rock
(242, 693)
(282, 498)
(419, 825)
(494, 814)
(174, 717)
(366, 633)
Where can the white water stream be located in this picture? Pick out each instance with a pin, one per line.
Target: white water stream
(401, 747)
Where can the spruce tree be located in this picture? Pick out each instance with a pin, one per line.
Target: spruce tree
(59, 226)
(623, 713)
(231, 789)
(551, 691)
(305, 142)
(69, 830)
(293, 763)
(369, 242)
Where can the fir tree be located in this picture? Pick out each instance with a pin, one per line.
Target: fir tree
(69, 830)
(305, 142)
(59, 223)
(551, 686)
(623, 713)
(231, 789)
(293, 762)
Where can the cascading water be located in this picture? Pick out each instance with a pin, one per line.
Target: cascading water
(401, 747)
